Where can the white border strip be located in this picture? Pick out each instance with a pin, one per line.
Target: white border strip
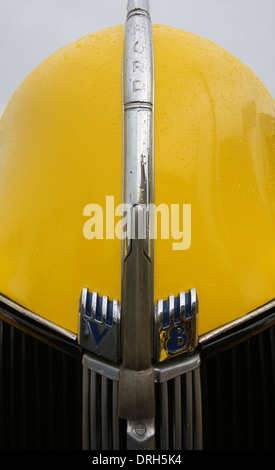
(37, 318)
(239, 321)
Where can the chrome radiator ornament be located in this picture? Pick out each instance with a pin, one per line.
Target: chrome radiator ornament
(99, 320)
(139, 337)
(138, 98)
(176, 325)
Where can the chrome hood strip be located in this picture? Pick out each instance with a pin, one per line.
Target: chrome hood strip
(138, 97)
(37, 318)
(228, 326)
(137, 373)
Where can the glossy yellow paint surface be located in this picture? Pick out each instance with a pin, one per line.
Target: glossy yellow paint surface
(62, 147)
(215, 150)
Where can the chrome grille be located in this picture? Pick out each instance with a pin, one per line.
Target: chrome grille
(41, 393)
(178, 405)
(102, 428)
(178, 417)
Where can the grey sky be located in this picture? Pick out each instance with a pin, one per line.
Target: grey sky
(31, 30)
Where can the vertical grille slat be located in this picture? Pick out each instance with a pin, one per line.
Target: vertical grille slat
(188, 445)
(115, 416)
(51, 397)
(197, 411)
(39, 409)
(23, 390)
(37, 395)
(93, 411)
(177, 431)
(234, 413)
(264, 388)
(86, 409)
(178, 402)
(65, 401)
(100, 410)
(249, 393)
(164, 427)
(11, 385)
(104, 413)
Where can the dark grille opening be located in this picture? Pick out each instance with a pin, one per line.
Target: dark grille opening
(238, 389)
(40, 394)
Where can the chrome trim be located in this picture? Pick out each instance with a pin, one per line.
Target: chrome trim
(136, 377)
(141, 435)
(37, 318)
(101, 367)
(198, 443)
(170, 370)
(93, 306)
(99, 325)
(142, 5)
(176, 325)
(238, 321)
(138, 97)
(179, 414)
(100, 420)
(179, 397)
(162, 372)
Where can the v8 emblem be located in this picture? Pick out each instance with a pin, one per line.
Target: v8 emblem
(177, 340)
(98, 337)
(99, 325)
(176, 325)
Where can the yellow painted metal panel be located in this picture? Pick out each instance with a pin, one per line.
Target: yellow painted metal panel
(61, 149)
(215, 150)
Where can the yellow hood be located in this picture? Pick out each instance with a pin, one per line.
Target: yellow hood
(62, 148)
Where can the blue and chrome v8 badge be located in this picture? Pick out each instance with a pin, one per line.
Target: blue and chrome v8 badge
(99, 324)
(176, 325)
